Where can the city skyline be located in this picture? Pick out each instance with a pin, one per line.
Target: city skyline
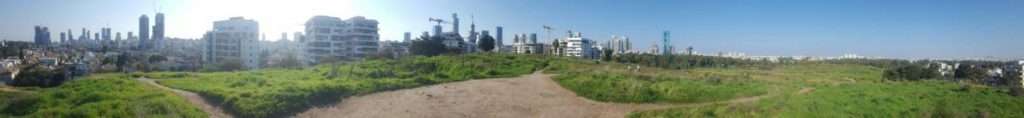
(895, 29)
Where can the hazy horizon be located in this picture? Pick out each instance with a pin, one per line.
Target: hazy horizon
(937, 29)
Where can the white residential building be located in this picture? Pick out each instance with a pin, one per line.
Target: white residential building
(578, 46)
(523, 44)
(351, 39)
(232, 39)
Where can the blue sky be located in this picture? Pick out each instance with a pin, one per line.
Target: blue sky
(886, 28)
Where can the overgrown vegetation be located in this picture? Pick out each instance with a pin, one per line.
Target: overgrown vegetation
(930, 98)
(282, 92)
(101, 95)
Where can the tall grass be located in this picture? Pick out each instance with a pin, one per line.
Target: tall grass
(102, 95)
(885, 99)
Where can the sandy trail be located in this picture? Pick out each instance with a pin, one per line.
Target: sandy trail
(215, 111)
(15, 90)
(531, 96)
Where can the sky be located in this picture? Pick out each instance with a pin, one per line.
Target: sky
(908, 29)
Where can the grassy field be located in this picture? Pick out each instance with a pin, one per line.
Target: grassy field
(281, 92)
(102, 95)
(829, 90)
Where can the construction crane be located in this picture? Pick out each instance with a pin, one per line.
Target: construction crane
(439, 21)
(548, 29)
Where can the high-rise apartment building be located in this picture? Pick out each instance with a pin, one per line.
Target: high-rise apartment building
(235, 39)
(620, 44)
(330, 38)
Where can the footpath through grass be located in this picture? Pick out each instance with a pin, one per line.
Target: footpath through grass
(281, 92)
(101, 95)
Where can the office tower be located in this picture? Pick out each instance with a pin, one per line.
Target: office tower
(71, 36)
(143, 32)
(97, 38)
(234, 39)
(497, 40)
(330, 37)
(118, 36)
(63, 37)
(158, 28)
(455, 23)
(408, 37)
(131, 36)
(42, 35)
(84, 36)
(105, 32)
(665, 45)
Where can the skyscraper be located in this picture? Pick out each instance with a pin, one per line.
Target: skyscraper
(455, 23)
(63, 37)
(143, 32)
(71, 37)
(84, 36)
(497, 39)
(118, 37)
(42, 35)
(664, 44)
(158, 28)
(105, 32)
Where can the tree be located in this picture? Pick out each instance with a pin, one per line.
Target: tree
(384, 53)
(157, 58)
(486, 43)
(430, 46)
(554, 47)
(910, 72)
(232, 65)
(970, 72)
(289, 62)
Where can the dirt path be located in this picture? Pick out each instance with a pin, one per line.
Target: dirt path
(531, 96)
(15, 90)
(215, 111)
